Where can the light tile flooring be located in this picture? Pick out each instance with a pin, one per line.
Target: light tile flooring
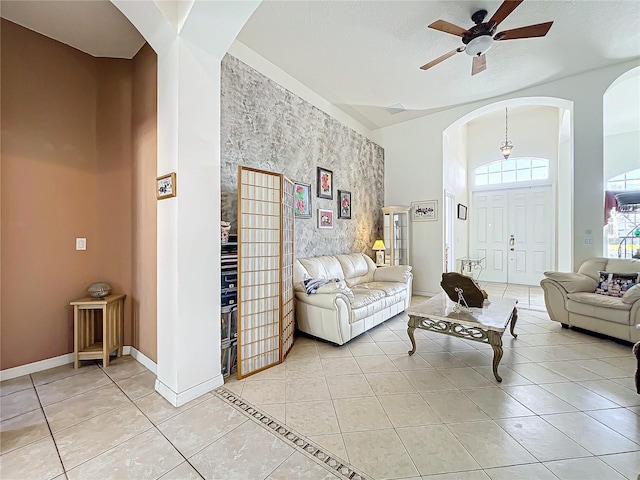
(567, 409)
(529, 297)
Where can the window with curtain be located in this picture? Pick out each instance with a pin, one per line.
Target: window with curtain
(622, 241)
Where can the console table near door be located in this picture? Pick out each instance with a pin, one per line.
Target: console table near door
(84, 340)
(485, 325)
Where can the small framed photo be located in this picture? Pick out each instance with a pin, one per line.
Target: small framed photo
(462, 212)
(344, 204)
(426, 211)
(325, 183)
(301, 200)
(166, 186)
(325, 218)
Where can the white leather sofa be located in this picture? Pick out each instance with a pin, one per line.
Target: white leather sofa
(364, 297)
(571, 299)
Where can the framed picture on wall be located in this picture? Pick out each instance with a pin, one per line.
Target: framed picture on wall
(426, 211)
(325, 218)
(325, 183)
(166, 186)
(462, 212)
(301, 200)
(344, 204)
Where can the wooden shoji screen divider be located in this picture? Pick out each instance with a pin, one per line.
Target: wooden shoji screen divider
(287, 256)
(265, 269)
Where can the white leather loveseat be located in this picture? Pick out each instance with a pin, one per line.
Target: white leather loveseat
(571, 299)
(364, 296)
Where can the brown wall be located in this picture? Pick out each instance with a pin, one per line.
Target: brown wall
(144, 137)
(68, 171)
(49, 179)
(113, 193)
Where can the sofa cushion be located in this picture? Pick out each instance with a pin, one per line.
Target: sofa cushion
(389, 288)
(573, 282)
(318, 267)
(607, 308)
(392, 273)
(330, 286)
(632, 295)
(623, 265)
(592, 266)
(363, 295)
(363, 310)
(357, 267)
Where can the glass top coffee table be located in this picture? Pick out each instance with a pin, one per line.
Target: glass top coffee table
(485, 325)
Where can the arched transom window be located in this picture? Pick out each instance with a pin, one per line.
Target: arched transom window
(626, 181)
(523, 169)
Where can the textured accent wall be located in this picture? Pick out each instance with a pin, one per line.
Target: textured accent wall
(266, 126)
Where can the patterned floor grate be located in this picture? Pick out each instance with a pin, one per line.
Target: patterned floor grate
(328, 460)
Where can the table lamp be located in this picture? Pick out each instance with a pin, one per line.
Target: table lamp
(379, 247)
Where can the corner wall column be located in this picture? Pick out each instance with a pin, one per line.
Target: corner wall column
(189, 48)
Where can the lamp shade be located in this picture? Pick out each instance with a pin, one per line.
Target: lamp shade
(378, 245)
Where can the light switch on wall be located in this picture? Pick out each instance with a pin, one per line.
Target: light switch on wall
(81, 243)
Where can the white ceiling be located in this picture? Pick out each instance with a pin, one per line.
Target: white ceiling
(96, 27)
(365, 55)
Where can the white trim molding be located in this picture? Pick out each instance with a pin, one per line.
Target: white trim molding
(179, 399)
(67, 358)
(34, 367)
(142, 358)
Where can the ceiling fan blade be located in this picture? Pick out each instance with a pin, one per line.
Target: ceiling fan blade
(503, 11)
(433, 63)
(447, 27)
(479, 64)
(531, 31)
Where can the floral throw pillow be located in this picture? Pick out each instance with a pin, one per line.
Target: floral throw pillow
(615, 284)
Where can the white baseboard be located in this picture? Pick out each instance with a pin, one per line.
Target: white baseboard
(67, 358)
(34, 367)
(142, 358)
(422, 293)
(179, 399)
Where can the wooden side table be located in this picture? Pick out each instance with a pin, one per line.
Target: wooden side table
(85, 346)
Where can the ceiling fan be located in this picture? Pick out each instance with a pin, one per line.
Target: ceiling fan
(479, 38)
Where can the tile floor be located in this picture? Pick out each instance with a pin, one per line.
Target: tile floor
(566, 409)
(529, 297)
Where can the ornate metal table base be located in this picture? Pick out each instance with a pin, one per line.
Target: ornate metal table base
(476, 333)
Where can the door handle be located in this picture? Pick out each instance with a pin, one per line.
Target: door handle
(512, 242)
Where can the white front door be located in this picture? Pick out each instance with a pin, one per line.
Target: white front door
(489, 233)
(513, 230)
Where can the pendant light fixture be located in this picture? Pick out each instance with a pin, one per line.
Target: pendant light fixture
(506, 146)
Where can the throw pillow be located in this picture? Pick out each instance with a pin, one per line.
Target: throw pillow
(615, 284)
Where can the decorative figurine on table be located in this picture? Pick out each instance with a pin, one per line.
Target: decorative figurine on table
(472, 294)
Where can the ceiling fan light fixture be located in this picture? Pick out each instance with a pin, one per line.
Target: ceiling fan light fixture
(479, 45)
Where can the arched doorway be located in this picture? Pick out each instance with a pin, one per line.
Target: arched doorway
(535, 182)
(621, 130)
